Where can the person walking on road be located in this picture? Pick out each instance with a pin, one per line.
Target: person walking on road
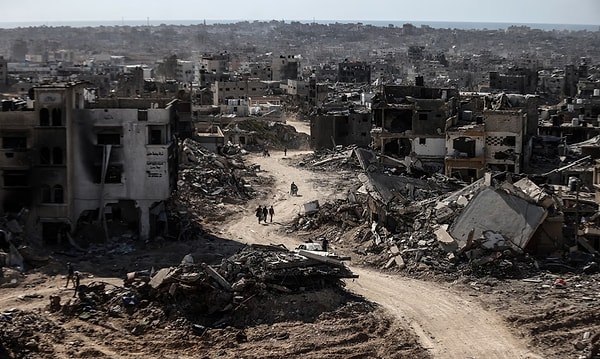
(271, 213)
(293, 189)
(285, 151)
(259, 213)
(265, 213)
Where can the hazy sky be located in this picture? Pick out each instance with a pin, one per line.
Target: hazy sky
(512, 11)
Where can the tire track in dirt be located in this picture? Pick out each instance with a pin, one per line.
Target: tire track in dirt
(450, 325)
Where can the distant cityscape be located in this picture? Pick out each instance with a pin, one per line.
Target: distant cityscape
(381, 23)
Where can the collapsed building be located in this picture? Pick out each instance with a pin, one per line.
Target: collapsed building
(74, 159)
(501, 225)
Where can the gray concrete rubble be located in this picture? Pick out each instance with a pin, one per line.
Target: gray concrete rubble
(208, 180)
(209, 294)
(502, 225)
(15, 251)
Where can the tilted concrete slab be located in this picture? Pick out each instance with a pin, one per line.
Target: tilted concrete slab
(494, 210)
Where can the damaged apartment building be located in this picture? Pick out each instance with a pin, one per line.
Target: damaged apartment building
(411, 121)
(460, 135)
(74, 160)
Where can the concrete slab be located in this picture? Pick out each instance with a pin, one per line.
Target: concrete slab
(513, 217)
(445, 240)
(160, 276)
(311, 207)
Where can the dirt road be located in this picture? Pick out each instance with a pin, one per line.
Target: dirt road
(448, 323)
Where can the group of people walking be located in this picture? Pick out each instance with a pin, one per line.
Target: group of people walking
(263, 212)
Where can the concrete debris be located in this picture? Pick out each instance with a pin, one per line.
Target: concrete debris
(260, 135)
(14, 249)
(21, 330)
(207, 180)
(435, 224)
(328, 159)
(311, 207)
(199, 296)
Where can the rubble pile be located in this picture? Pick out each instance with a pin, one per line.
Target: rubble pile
(249, 284)
(455, 233)
(283, 270)
(571, 328)
(270, 134)
(208, 180)
(15, 245)
(340, 214)
(27, 334)
(327, 159)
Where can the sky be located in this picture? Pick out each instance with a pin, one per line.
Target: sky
(505, 11)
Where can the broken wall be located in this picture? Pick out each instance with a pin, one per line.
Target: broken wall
(430, 117)
(327, 131)
(465, 158)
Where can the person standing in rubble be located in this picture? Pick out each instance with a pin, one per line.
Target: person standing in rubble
(285, 151)
(259, 213)
(265, 213)
(70, 274)
(76, 283)
(324, 244)
(271, 212)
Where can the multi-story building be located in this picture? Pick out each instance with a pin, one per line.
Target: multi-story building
(490, 133)
(214, 63)
(185, 72)
(519, 80)
(258, 70)
(227, 90)
(75, 160)
(410, 121)
(356, 72)
(340, 128)
(285, 68)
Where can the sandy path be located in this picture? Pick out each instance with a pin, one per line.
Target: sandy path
(448, 323)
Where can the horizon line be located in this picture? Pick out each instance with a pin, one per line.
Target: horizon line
(295, 20)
